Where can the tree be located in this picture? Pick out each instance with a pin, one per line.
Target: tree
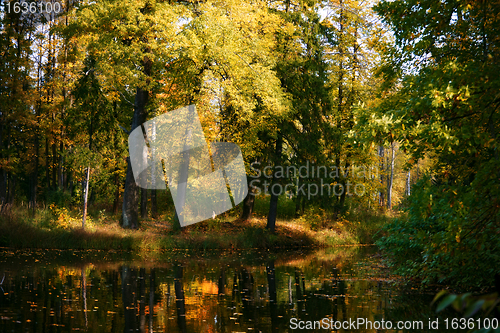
(446, 106)
(15, 97)
(155, 46)
(126, 42)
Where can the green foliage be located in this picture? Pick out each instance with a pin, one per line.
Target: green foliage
(315, 217)
(470, 306)
(442, 101)
(286, 206)
(439, 241)
(60, 198)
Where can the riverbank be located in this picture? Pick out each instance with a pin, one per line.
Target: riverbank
(55, 228)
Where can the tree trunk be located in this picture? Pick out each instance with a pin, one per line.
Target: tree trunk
(3, 172)
(273, 205)
(116, 176)
(47, 162)
(144, 203)
(85, 195)
(182, 184)
(381, 157)
(130, 215)
(54, 157)
(408, 185)
(298, 200)
(117, 192)
(12, 188)
(391, 178)
(183, 176)
(34, 179)
(341, 204)
(154, 205)
(144, 192)
(248, 204)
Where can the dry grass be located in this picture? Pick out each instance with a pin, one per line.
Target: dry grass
(60, 229)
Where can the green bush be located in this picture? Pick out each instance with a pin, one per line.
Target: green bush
(448, 237)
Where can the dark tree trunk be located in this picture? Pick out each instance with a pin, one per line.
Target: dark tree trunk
(248, 204)
(12, 188)
(33, 183)
(341, 205)
(54, 163)
(3, 172)
(130, 215)
(273, 205)
(3, 187)
(116, 171)
(144, 203)
(47, 162)
(298, 199)
(117, 193)
(60, 172)
(183, 177)
(154, 204)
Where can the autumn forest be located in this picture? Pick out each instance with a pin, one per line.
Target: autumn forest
(386, 111)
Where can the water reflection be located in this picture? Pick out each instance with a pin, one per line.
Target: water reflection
(249, 292)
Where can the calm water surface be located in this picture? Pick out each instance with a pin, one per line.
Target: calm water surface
(61, 291)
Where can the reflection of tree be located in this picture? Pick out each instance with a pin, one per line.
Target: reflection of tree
(235, 286)
(222, 282)
(129, 285)
(271, 281)
(152, 288)
(246, 287)
(65, 296)
(142, 299)
(179, 298)
(298, 291)
(220, 319)
(339, 290)
(84, 294)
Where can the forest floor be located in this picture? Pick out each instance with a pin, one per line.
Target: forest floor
(57, 228)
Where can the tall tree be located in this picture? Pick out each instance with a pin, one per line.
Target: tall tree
(15, 98)
(446, 106)
(154, 46)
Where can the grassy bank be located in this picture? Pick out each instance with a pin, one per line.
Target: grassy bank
(58, 228)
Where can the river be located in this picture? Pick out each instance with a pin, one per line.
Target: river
(345, 289)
